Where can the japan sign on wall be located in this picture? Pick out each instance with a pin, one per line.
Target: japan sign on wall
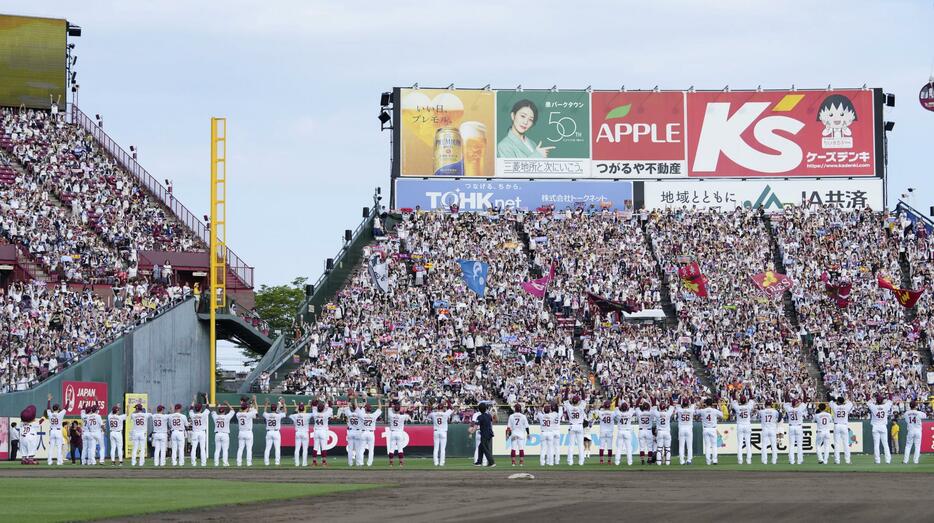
(639, 134)
(76, 395)
(771, 195)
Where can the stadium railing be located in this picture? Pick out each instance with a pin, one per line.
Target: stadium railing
(236, 265)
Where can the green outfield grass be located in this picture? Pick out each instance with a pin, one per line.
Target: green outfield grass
(53, 499)
(859, 463)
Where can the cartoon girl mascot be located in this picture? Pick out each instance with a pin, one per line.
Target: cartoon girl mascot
(836, 113)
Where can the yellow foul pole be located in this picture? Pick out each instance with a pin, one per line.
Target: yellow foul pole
(218, 235)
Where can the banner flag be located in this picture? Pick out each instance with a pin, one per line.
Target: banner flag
(692, 279)
(774, 284)
(839, 291)
(906, 297)
(379, 272)
(475, 273)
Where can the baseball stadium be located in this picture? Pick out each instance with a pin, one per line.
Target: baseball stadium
(585, 280)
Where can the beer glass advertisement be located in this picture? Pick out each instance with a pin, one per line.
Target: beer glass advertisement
(543, 134)
(447, 133)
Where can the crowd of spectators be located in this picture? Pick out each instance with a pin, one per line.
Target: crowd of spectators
(96, 200)
(741, 335)
(46, 327)
(867, 347)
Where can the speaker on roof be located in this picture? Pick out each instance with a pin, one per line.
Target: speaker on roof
(348, 235)
(329, 264)
(931, 211)
(366, 212)
(309, 289)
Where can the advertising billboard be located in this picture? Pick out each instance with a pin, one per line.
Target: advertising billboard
(32, 61)
(726, 438)
(79, 394)
(481, 195)
(770, 194)
(639, 134)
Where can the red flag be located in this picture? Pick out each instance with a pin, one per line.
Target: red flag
(692, 280)
(838, 291)
(772, 283)
(906, 297)
(536, 287)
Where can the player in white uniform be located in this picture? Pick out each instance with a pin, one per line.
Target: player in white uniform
(115, 422)
(576, 412)
(395, 444)
(824, 422)
(606, 423)
(177, 422)
(645, 417)
(302, 426)
(94, 425)
(160, 425)
(663, 433)
(139, 422)
(354, 415)
(273, 415)
(245, 431)
(56, 418)
(222, 417)
(439, 420)
(913, 419)
(200, 419)
(794, 413)
(768, 418)
(86, 443)
(368, 433)
(841, 429)
(879, 413)
(685, 417)
(517, 431)
(623, 417)
(743, 410)
(547, 422)
(320, 416)
(709, 416)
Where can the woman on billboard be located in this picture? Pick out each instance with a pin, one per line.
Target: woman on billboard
(516, 144)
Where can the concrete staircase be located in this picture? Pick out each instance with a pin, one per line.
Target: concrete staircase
(807, 353)
(671, 314)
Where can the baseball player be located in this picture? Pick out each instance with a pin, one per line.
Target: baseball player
(879, 413)
(396, 418)
(320, 416)
(768, 418)
(56, 418)
(354, 415)
(177, 422)
(95, 430)
(605, 420)
(138, 429)
(547, 424)
(368, 433)
(245, 431)
(743, 410)
(115, 421)
(300, 420)
(685, 416)
(576, 412)
(623, 417)
(824, 421)
(663, 433)
(439, 420)
(841, 428)
(645, 417)
(273, 415)
(913, 419)
(200, 418)
(160, 425)
(517, 432)
(222, 417)
(709, 416)
(794, 413)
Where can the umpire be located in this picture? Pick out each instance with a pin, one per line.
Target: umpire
(485, 426)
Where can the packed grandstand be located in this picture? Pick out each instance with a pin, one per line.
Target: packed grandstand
(78, 220)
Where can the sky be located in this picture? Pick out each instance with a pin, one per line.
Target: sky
(299, 83)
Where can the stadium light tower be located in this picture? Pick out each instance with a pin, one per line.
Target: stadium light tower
(218, 232)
